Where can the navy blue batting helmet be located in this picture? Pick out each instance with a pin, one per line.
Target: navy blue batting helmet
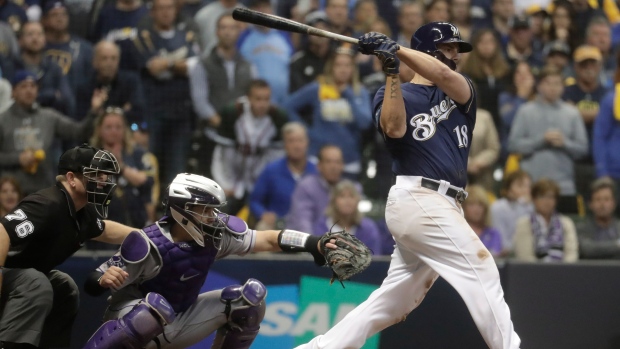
(427, 37)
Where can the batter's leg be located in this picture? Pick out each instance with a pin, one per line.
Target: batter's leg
(404, 288)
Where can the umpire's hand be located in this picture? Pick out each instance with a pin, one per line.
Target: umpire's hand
(113, 277)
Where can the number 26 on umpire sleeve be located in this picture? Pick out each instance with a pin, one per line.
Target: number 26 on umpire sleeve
(461, 134)
(22, 229)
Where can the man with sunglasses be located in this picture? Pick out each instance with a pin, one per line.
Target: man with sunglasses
(37, 303)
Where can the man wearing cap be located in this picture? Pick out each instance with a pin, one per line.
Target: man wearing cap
(557, 54)
(12, 14)
(72, 53)
(28, 133)
(39, 303)
(520, 45)
(308, 63)
(586, 93)
(54, 89)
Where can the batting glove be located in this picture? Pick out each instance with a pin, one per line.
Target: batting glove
(386, 52)
(369, 42)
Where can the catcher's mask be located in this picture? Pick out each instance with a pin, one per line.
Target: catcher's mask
(193, 201)
(98, 168)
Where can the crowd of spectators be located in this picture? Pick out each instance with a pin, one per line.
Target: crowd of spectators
(284, 122)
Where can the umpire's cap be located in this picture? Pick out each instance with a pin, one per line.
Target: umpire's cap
(84, 156)
(426, 38)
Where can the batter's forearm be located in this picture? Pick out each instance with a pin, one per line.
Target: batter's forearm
(427, 66)
(393, 119)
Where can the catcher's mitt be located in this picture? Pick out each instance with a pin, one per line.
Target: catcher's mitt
(351, 256)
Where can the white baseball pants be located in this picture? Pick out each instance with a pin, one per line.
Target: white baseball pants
(432, 239)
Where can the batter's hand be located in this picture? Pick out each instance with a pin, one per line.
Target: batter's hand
(369, 42)
(387, 55)
(113, 277)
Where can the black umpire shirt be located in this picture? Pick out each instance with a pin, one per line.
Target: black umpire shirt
(45, 229)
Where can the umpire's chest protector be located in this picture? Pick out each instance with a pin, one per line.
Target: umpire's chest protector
(183, 272)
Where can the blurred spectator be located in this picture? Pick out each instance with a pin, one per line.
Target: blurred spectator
(502, 11)
(561, 27)
(72, 53)
(484, 152)
(340, 107)
(364, 14)
(539, 24)
(118, 22)
(366, 63)
(182, 21)
(190, 7)
(546, 235)
(222, 76)
(28, 133)
(557, 54)
(249, 139)
(271, 199)
(162, 51)
(134, 183)
(549, 134)
(8, 42)
(520, 46)
(515, 95)
(436, 11)
(586, 94)
(308, 63)
(476, 213)
(79, 16)
(606, 135)
(342, 213)
(337, 12)
(54, 89)
(488, 69)
(598, 34)
(10, 195)
(585, 14)
(460, 16)
(124, 88)
(140, 136)
(515, 203)
(599, 234)
(12, 14)
(268, 48)
(5, 95)
(311, 195)
(206, 19)
(410, 18)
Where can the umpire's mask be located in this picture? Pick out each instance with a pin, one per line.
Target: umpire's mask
(100, 181)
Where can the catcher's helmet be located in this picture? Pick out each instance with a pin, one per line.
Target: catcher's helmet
(193, 201)
(99, 167)
(427, 37)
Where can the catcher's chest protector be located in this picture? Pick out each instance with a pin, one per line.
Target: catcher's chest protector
(183, 272)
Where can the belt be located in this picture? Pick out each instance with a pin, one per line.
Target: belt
(457, 194)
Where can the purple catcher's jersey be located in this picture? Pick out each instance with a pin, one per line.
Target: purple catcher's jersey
(439, 132)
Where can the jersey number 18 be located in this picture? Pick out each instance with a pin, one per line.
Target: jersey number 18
(461, 134)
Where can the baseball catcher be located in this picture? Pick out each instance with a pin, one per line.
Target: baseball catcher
(157, 274)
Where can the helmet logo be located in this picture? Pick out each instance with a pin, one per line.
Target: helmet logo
(455, 31)
(437, 34)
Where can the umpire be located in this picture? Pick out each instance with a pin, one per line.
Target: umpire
(38, 304)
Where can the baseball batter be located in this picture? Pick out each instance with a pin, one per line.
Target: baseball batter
(158, 272)
(427, 125)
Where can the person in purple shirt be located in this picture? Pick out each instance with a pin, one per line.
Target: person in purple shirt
(271, 198)
(311, 196)
(476, 211)
(342, 213)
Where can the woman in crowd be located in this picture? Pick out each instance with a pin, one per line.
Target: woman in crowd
(10, 195)
(484, 152)
(340, 109)
(476, 211)
(546, 235)
(136, 179)
(436, 11)
(488, 69)
(343, 213)
(561, 27)
(514, 204)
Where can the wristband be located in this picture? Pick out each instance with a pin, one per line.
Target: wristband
(296, 241)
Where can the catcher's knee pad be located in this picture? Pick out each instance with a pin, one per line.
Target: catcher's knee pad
(135, 329)
(245, 309)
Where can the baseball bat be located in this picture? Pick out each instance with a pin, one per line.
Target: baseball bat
(281, 23)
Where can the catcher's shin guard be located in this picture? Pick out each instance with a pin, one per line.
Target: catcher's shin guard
(245, 309)
(135, 329)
